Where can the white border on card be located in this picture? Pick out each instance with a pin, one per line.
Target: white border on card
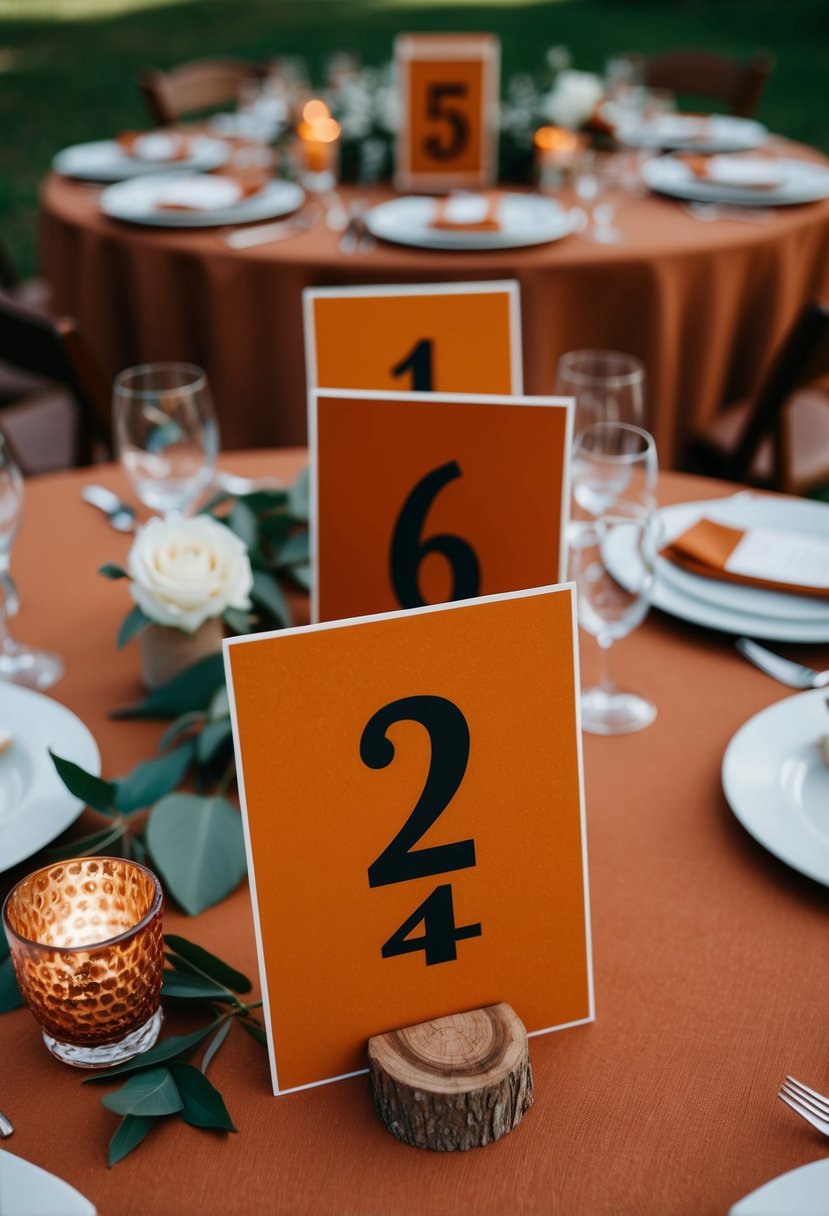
(510, 287)
(484, 47)
(351, 394)
(246, 639)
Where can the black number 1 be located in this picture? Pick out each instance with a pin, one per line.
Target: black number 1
(419, 363)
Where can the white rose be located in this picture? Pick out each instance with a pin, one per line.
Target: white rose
(184, 571)
(573, 98)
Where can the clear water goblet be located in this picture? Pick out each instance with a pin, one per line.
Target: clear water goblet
(612, 462)
(166, 434)
(19, 664)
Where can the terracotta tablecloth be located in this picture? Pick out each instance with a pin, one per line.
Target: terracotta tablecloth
(703, 304)
(710, 965)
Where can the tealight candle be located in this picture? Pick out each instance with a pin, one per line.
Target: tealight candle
(556, 150)
(319, 136)
(86, 941)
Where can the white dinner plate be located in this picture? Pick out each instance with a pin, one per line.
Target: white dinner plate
(733, 607)
(525, 219)
(105, 161)
(802, 182)
(35, 805)
(800, 1192)
(777, 784)
(28, 1190)
(135, 202)
(686, 132)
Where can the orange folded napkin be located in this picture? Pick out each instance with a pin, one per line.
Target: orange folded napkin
(161, 145)
(748, 171)
(462, 212)
(796, 562)
(212, 191)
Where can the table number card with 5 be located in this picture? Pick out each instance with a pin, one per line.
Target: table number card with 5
(412, 792)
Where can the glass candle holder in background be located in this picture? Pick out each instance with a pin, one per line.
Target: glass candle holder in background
(166, 434)
(318, 148)
(86, 940)
(556, 151)
(608, 385)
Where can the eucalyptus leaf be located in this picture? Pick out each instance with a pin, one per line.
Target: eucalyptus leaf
(10, 997)
(299, 495)
(88, 846)
(267, 593)
(178, 1045)
(130, 1132)
(216, 968)
(198, 846)
(133, 623)
(295, 551)
(276, 528)
(238, 621)
(153, 779)
(243, 522)
(302, 575)
(110, 570)
(93, 791)
(186, 987)
(152, 1092)
(190, 690)
(255, 1031)
(215, 1043)
(219, 706)
(211, 739)
(181, 725)
(263, 501)
(203, 1105)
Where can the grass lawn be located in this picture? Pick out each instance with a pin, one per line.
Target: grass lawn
(68, 67)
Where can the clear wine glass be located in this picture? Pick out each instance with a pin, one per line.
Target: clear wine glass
(612, 562)
(612, 461)
(19, 664)
(608, 386)
(166, 434)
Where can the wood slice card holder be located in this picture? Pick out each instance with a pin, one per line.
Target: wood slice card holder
(453, 1083)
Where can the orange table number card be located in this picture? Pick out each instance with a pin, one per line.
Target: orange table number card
(422, 337)
(448, 136)
(419, 498)
(411, 787)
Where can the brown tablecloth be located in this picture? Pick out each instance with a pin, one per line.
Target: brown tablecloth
(703, 304)
(710, 964)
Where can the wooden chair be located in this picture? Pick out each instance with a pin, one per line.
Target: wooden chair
(54, 350)
(198, 85)
(780, 439)
(736, 85)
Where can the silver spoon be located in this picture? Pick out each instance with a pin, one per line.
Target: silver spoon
(120, 514)
(795, 675)
(6, 1126)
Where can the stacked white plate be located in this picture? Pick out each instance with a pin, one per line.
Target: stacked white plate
(793, 181)
(104, 160)
(187, 200)
(694, 133)
(524, 219)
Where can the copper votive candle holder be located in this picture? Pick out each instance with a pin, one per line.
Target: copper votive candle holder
(86, 940)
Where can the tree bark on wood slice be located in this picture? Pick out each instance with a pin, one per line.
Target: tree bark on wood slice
(454, 1083)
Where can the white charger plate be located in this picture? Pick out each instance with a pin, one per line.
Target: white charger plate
(733, 607)
(800, 1192)
(723, 133)
(134, 202)
(103, 160)
(28, 1190)
(803, 182)
(525, 219)
(777, 784)
(35, 805)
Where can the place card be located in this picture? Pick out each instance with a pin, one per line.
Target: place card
(420, 498)
(421, 337)
(448, 135)
(411, 787)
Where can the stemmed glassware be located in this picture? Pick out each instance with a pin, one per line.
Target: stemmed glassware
(613, 542)
(166, 434)
(597, 182)
(19, 664)
(608, 386)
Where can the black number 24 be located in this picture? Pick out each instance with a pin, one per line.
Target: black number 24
(400, 861)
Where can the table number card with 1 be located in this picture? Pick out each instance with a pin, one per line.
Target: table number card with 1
(419, 498)
(412, 793)
(421, 337)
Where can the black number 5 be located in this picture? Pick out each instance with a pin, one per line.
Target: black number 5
(455, 119)
(449, 737)
(408, 550)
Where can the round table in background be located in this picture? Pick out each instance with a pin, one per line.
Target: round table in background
(702, 303)
(709, 954)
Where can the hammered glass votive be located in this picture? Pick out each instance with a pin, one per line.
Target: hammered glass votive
(86, 940)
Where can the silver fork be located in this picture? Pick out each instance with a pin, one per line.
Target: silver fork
(806, 1102)
(795, 675)
(264, 234)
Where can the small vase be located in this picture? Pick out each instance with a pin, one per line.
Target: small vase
(165, 652)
